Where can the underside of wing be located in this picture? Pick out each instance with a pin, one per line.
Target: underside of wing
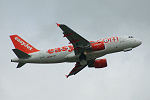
(79, 43)
(78, 67)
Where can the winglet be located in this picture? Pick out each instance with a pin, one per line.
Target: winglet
(58, 24)
(66, 76)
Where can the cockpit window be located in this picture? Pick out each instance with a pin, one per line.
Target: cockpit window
(130, 36)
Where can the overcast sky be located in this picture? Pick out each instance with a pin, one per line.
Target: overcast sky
(127, 74)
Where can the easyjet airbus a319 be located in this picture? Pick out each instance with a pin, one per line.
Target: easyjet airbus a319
(82, 51)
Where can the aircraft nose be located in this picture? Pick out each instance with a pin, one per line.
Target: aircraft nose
(139, 42)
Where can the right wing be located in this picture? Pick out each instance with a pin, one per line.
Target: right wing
(78, 67)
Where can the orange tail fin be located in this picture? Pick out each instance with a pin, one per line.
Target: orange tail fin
(22, 45)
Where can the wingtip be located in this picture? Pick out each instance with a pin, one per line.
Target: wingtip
(58, 24)
(66, 76)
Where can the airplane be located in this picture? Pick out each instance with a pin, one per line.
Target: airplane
(82, 51)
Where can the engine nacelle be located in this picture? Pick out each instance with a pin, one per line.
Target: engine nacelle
(101, 63)
(98, 46)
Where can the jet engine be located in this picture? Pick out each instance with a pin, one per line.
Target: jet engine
(97, 46)
(101, 63)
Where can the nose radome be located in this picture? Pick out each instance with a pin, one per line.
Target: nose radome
(139, 42)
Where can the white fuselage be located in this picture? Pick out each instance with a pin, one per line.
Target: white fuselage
(66, 53)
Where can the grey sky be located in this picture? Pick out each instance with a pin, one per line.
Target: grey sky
(127, 74)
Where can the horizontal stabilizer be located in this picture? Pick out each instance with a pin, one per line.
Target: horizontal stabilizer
(20, 65)
(20, 54)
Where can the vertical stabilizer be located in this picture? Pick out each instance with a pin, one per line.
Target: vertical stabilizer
(22, 45)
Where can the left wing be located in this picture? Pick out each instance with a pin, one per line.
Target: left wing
(80, 44)
(78, 67)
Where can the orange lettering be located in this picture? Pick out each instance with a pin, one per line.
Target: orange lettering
(113, 39)
(57, 50)
(106, 40)
(64, 48)
(50, 51)
(70, 48)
